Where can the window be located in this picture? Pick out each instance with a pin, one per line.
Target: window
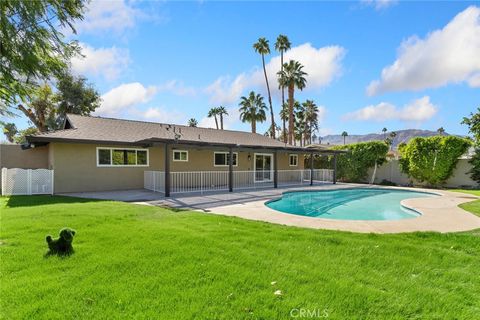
(222, 159)
(110, 157)
(293, 160)
(180, 155)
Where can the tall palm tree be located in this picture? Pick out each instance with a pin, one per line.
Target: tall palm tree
(213, 112)
(262, 47)
(282, 45)
(344, 135)
(252, 109)
(10, 130)
(221, 111)
(192, 122)
(384, 130)
(441, 131)
(292, 76)
(311, 117)
(284, 117)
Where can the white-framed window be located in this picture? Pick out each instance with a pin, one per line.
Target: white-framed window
(122, 157)
(180, 155)
(293, 160)
(222, 159)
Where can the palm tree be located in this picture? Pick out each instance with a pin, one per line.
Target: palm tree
(221, 111)
(252, 109)
(10, 131)
(301, 125)
(213, 112)
(262, 47)
(441, 131)
(284, 116)
(192, 122)
(384, 130)
(282, 45)
(311, 117)
(291, 76)
(393, 134)
(344, 135)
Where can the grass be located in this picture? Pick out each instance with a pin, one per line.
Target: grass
(144, 262)
(473, 206)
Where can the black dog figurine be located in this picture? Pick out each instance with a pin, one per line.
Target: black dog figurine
(62, 245)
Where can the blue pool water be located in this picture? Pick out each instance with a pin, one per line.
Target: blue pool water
(349, 204)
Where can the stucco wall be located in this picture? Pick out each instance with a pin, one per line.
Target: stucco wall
(391, 171)
(12, 156)
(76, 168)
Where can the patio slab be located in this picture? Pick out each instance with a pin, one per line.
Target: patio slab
(439, 214)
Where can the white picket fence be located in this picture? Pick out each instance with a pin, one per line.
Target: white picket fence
(17, 181)
(206, 181)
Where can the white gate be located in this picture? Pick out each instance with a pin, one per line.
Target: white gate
(17, 181)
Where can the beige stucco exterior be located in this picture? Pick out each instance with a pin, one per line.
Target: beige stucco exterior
(12, 156)
(76, 167)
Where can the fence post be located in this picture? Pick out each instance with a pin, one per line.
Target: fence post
(29, 181)
(334, 168)
(167, 170)
(275, 169)
(53, 182)
(4, 180)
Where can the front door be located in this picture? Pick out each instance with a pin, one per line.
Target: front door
(263, 167)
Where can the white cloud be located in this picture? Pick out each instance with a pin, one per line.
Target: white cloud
(115, 16)
(322, 66)
(322, 113)
(177, 87)
(158, 114)
(123, 97)
(379, 4)
(107, 62)
(416, 111)
(449, 55)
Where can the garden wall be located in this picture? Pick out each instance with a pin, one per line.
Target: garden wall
(391, 171)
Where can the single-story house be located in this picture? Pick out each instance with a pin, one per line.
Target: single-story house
(100, 154)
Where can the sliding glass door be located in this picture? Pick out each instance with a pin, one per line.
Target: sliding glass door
(263, 167)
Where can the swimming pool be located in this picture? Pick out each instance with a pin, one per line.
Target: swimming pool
(348, 204)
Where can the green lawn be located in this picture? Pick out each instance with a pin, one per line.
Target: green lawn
(473, 206)
(139, 262)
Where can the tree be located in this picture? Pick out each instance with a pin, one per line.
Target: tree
(344, 135)
(292, 76)
(213, 112)
(301, 126)
(441, 131)
(284, 117)
(432, 159)
(10, 131)
(192, 122)
(384, 130)
(33, 46)
(75, 95)
(473, 123)
(41, 108)
(22, 134)
(393, 134)
(221, 111)
(262, 47)
(252, 109)
(311, 118)
(282, 45)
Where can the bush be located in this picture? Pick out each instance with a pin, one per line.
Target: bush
(432, 159)
(353, 166)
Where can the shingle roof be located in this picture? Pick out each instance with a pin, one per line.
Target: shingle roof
(109, 130)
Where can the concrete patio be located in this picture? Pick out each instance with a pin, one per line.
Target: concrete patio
(440, 214)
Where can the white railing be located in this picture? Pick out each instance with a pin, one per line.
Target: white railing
(17, 181)
(198, 181)
(154, 180)
(203, 181)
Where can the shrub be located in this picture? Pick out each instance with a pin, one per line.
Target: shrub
(353, 166)
(432, 159)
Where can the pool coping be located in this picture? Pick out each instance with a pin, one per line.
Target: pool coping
(437, 214)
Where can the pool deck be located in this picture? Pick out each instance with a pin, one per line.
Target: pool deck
(439, 214)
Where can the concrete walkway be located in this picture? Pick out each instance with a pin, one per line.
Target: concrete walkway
(440, 214)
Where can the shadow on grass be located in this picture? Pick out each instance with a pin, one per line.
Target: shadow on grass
(40, 200)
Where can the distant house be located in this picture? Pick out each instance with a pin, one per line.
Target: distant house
(99, 154)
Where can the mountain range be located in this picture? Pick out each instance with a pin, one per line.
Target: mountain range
(402, 136)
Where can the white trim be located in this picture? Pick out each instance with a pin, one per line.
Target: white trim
(176, 150)
(296, 161)
(226, 153)
(255, 167)
(122, 165)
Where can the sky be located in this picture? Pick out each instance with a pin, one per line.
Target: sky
(370, 64)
